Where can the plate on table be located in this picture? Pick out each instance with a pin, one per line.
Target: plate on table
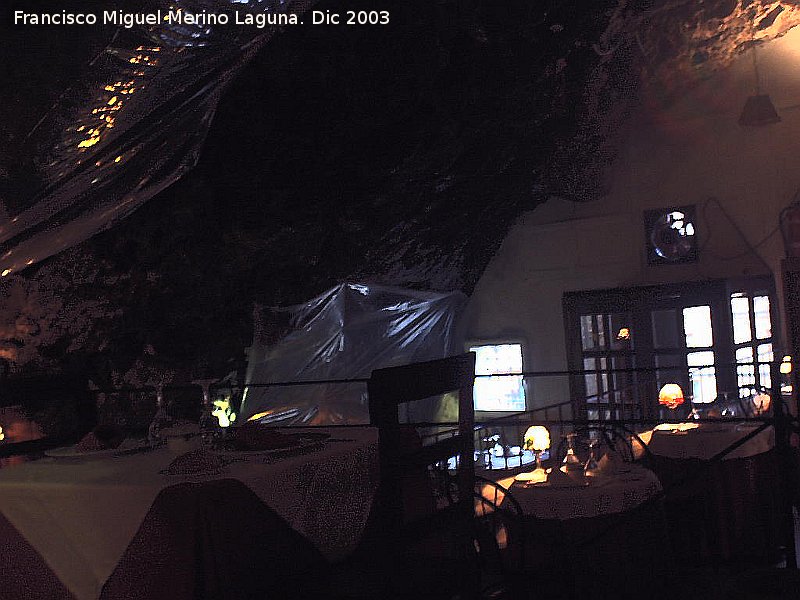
(128, 446)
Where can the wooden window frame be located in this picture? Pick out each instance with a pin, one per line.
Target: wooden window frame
(640, 302)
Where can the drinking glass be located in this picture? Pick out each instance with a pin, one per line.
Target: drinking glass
(161, 419)
(591, 467)
(208, 422)
(571, 461)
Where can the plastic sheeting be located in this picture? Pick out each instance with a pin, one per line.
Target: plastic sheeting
(131, 127)
(345, 333)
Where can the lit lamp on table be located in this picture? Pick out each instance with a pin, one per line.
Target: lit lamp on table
(671, 396)
(537, 439)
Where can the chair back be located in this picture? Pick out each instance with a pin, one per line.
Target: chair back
(445, 465)
(500, 538)
(392, 387)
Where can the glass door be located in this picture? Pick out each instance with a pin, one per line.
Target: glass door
(708, 337)
(608, 352)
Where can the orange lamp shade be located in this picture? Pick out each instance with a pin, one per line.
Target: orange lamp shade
(761, 403)
(671, 396)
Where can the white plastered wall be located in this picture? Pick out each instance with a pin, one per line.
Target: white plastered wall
(692, 152)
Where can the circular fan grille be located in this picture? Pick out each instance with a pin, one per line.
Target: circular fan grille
(673, 236)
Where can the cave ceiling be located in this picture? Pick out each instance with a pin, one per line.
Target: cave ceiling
(398, 155)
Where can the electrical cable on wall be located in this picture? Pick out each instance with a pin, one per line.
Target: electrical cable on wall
(751, 248)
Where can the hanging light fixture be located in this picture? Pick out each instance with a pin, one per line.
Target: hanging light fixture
(758, 109)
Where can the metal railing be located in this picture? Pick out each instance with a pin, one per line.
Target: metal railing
(499, 440)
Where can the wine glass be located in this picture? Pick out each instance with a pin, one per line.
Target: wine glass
(591, 468)
(571, 461)
(161, 419)
(208, 423)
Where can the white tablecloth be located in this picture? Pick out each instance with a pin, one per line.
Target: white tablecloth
(707, 440)
(81, 515)
(605, 494)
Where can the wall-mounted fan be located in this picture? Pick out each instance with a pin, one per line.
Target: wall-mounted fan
(670, 235)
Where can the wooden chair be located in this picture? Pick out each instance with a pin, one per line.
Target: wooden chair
(520, 556)
(500, 540)
(434, 532)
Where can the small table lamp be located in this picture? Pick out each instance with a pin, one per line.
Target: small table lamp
(537, 438)
(671, 396)
(761, 403)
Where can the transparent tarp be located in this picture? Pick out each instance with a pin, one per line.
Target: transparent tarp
(131, 127)
(345, 333)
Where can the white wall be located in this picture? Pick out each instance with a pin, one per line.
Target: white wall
(692, 152)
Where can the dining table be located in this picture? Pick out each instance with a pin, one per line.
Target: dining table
(705, 440)
(722, 488)
(126, 524)
(604, 535)
(606, 493)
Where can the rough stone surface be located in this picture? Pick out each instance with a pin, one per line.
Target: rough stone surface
(679, 41)
(397, 155)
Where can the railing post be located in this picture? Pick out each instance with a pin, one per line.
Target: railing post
(786, 462)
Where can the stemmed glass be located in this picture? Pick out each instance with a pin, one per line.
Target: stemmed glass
(591, 467)
(571, 461)
(161, 419)
(208, 424)
(729, 407)
(697, 412)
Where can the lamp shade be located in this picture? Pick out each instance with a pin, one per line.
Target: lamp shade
(671, 395)
(758, 111)
(761, 403)
(537, 438)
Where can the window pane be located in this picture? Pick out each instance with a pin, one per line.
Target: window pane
(499, 393)
(764, 354)
(590, 379)
(702, 379)
(622, 381)
(745, 374)
(740, 311)
(761, 314)
(593, 331)
(666, 375)
(604, 378)
(697, 326)
(665, 328)
(587, 332)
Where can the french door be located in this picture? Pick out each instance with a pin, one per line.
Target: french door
(624, 344)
